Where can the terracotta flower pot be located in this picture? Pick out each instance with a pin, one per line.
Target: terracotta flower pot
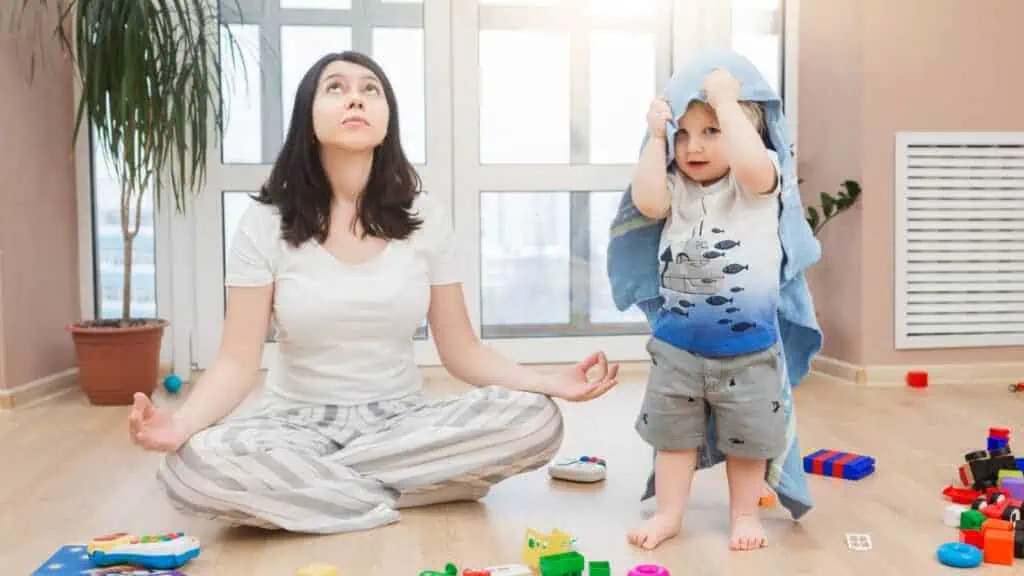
(115, 361)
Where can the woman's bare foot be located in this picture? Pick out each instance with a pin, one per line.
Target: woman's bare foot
(655, 530)
(747, 533)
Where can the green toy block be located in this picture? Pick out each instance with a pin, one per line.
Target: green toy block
(600, 568)
(564, 564)
(971, 520)
(1010, 474)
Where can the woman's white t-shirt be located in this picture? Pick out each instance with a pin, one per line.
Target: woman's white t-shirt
(344, 330)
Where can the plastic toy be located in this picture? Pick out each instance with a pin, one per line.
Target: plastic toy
(959, 555)
(165, 552)
(318, 570)
(648, 570)
(449, 570)
(971, 520)
(1020, 463)
(846, 465)
(600, 568)
(972, 538)
(564, 564)
(74, 560)
(172, 383)
(998, 547)
(917, 379)
(982, 469)
(858, 542)
(767, 501)
(1018, 387)
(1013, 486)
(586, 469)
(960, 495)
(536, 545)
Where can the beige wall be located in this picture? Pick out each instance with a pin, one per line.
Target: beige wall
(39, 237)
(906, 65)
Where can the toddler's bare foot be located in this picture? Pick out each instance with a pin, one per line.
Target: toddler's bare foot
(655, 530)
(747, 533)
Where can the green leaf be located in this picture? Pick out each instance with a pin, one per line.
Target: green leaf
(812, 217)
(828, 204)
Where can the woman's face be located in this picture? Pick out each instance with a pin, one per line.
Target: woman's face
(350, 110)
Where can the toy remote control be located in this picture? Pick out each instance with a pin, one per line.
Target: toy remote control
(587, 469)
(163, 552)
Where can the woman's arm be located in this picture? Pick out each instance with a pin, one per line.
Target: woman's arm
(469, 360)
(231, 377)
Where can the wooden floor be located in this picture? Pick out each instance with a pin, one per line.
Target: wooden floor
(68, 473)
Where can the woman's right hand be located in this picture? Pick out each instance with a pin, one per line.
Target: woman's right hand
(657, 116)
(152, 429)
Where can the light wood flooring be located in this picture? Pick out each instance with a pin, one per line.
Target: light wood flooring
(68, 473)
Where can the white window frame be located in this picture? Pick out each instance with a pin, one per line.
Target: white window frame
(450, 33)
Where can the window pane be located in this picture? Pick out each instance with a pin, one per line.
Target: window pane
(402, 1)
(757, 34)
(318, 4)
(301, 46)
(240, 82)
(399, 51)
(603, 206)
(622, 84)
(621, 7)
(109, 256)
(524, 97)
(524, 258)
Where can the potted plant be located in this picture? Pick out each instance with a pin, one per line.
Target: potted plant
(150, 86)
(832, 206)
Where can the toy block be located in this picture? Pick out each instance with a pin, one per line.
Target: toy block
(971, 520)
(318, 570)
(972, 537)
(997, 443)
(1009, 474)
(960, 495)
(997, 525)
(536, 545)
(998, 547)
(767, 501)
(838, 464)
(600, 568)
(1018, 541)
(953, 515)
(1020, 464)
(917, 379)
(1014, 486)
(450, 569)
(999, 432)
(564, 564)
(983, 467)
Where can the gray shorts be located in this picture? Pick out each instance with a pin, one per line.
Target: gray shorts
(744, 392)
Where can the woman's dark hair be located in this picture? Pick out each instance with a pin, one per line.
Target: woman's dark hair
(298, 184)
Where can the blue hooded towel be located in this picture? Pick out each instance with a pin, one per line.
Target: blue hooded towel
(633, 263)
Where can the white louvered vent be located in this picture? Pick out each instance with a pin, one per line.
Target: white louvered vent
(959, 239)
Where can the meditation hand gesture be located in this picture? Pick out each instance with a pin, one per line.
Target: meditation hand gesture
(571, 382)
(152, 429)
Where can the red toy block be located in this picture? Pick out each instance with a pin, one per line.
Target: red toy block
(960, 495)
(972, 537)
(917, 379)
(999, 433)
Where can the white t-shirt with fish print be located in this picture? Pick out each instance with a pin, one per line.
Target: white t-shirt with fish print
(719, 262)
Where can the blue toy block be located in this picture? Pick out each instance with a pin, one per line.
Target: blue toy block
(1020, 464)
(837, 464)
(997, 443)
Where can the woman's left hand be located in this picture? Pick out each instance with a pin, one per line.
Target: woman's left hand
(572, 383)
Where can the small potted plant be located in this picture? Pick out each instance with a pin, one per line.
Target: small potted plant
(150, 86)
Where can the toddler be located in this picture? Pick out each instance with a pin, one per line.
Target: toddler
(715, 337)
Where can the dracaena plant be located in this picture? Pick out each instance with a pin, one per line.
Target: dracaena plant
(832, 206)
(150, 75)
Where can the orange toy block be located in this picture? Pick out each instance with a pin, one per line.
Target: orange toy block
(767, 501)
(996, 525)
(999, 547)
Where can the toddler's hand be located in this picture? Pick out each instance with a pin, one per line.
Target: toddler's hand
(721, 87)
(657, 115)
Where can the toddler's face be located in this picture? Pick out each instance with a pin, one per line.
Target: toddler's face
(697, 150)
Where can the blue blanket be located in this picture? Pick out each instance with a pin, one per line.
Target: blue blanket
(633, 263)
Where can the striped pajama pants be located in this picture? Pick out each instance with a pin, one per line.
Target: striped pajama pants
(327, 468)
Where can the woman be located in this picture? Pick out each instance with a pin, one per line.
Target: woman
(348, 256)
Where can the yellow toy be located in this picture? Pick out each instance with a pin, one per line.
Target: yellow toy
(318, 570)
(536, 545)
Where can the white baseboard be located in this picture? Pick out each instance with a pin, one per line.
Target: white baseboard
(37, 389)
(895, 374)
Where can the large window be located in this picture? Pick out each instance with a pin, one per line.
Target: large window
(525, 116)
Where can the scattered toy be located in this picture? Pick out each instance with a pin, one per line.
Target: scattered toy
(318, 569)
(163, 551)
(858, 542)
(586, 469)
(837, 464)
